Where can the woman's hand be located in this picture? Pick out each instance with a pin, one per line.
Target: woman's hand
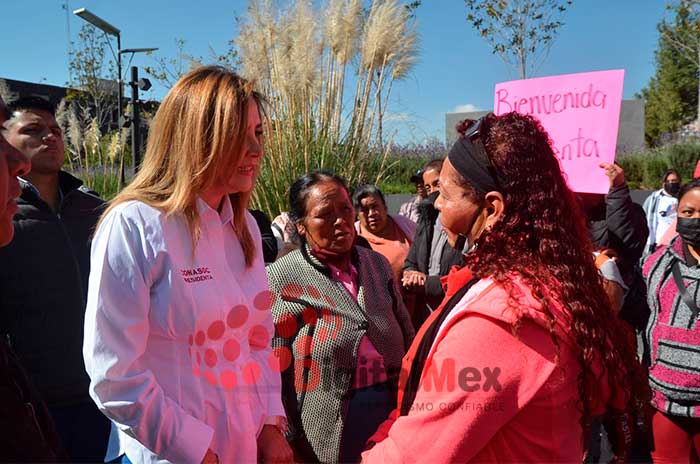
(413, 280)
(273, 447)
(210, 457)
(614, 173)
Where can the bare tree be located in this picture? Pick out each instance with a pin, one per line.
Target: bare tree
(684, 35)
(94, 87)
(521, 32)
(168, 70)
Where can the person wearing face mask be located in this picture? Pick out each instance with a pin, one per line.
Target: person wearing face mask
(673, 335)
(660, 209)
(341, 326)
(524, 341)
(671, 231)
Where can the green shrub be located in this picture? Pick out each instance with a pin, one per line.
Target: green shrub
(683, 158)
(633, 165)
(645, 170)
(106, 184)
(392, 188)
(101, 179)
(654, 170)
(405, 160)
(398, 174)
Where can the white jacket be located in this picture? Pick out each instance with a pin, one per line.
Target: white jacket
(660, 208)
(177, 344)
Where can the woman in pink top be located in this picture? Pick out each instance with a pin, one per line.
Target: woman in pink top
(389, 235)
(525, 348)
(341, 326)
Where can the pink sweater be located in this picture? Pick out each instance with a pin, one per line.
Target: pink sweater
(503, 397)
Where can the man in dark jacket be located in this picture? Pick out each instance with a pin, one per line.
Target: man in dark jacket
(44, 276)
(26, 430)
(430, 256)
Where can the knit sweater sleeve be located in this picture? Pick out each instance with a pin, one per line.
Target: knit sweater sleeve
(469, 391)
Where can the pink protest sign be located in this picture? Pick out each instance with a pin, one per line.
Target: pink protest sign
(581, 113)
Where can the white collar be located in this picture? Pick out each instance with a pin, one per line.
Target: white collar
(226, 214)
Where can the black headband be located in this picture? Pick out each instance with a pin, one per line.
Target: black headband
(472, 162)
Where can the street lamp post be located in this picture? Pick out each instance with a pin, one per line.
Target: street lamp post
(107, 28)
(122, 121)
(136, 85)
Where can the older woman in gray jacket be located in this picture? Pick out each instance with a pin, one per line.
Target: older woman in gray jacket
(341, 327)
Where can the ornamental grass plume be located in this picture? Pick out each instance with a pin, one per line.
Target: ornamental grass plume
(406, 55)
(115, 147)
(115, 151)
(62, 116)
(312, 117)
(256, 38)
(75, 131)
(91, 147)
(382, 33)
(93, 136)
(343, 22)
(305, 52)
(389, 51)
(342, 34)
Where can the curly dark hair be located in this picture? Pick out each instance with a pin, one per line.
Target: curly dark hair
(542, 236)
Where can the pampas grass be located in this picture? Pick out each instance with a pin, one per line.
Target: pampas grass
(75, 133)
(304, 60)
(91, 156)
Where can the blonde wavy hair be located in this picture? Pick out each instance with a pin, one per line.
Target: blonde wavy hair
(194, 142)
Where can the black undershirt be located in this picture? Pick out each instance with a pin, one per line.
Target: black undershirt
(690, 260)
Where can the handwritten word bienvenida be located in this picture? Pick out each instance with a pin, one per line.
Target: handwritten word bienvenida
(555, 103)
(550, 103)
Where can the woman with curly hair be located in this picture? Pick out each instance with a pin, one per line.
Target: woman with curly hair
(525, 348)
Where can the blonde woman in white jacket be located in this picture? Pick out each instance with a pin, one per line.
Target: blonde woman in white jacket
(178, 326)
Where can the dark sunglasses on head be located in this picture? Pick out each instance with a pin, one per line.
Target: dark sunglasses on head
(474, 135)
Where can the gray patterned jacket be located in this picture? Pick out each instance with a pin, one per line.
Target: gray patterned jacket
(673, 333)
(319, 323)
